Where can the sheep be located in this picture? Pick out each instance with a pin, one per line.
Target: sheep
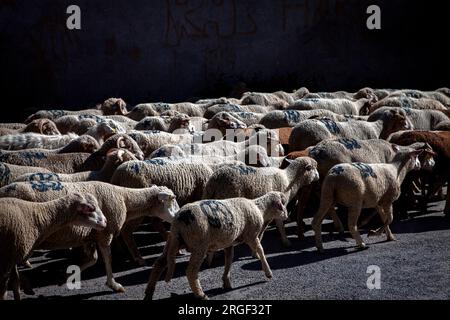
(268, 139)
(167, 124)
(360, 185)
(118, 204)
(339, 106)
(277, 100)
(34, 140)
(248, 118)
(416, 94)
(404, 102)
(113, 106)
(114, 158)
(421, 119)
(254, 155)
(243, 181)
(211, 225)
(10, 172)
(213, 110)
(149, 141)
(41, 126)
(440, 143)
(122, 141)
(24, 225)
(81, 124)
(223, 121)
(310, 132)
(186, 180)
(329, 153)
(290, 118)
(156, 109)
(55, 162)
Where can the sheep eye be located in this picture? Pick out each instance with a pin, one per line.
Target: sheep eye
(309, 167)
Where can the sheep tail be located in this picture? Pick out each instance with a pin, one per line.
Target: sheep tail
(173, 246)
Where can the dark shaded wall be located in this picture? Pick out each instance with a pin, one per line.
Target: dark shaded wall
(174, 50)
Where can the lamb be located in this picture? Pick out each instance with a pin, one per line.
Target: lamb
(118, 204)
(242, 181)
(339, 106)
(41, 126)
(421, 119)
(122, 141)
(213, 110)
(27, 224)
(359, 185)
(403, 102)
(167, 124)
(10, 172)
(211, 225)
(310, 132)
(291, 118)
(114, 158)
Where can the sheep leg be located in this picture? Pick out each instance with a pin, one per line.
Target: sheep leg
(336, 221)
(15, 282)
(353, 215)
(266, 224)
(105, 250)
(316, 224)
(303, 199)
(158, 268)
(172, 245)
(256, 246)
(389, 216)
(380, 230)
(282, 231)
(127, 236)
(447, 202)
(192, 270)
(229, 255)
(3, 287)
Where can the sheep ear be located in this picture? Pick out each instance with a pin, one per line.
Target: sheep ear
(277, 204)
(289, 160)
(396, 148)
(120, 154)
(120, 142)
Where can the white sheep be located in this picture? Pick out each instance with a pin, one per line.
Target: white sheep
(10, 172)
(25, 225)
(244, 181)
(118, 204)
(211, 225)
(114, 158)
(339, 106)
(360, 185)
(41, 126)
(310, 132)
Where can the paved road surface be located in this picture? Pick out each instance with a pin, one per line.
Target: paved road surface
(416, 266)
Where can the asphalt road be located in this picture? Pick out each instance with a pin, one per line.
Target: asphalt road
(416, 266)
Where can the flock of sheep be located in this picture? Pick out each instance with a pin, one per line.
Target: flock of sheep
(81, 178)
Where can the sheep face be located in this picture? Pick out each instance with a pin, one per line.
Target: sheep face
(167, 204)
(113, 106)
(119, 156)
(124, 142)
(395, 120)
(306, 169)
(86, 144)
(277, 205)
(88, 212)
(224, 120)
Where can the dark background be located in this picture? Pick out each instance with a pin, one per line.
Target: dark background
(174, 50)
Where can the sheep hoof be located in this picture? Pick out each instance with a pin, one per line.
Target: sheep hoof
(362, 246)
(391, 238)
(202, 297)
(147, 297)
(27, 264)
(116, 287)
(373, 233)
(227, 284)
(269, 275)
